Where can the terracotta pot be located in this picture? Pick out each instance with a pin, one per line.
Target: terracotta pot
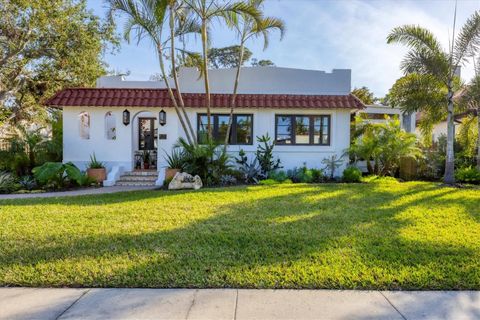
(97, 174)
(170, 173)
(146, 166)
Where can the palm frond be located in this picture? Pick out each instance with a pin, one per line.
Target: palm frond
(416, 38)
(468, 40)
(265, 26)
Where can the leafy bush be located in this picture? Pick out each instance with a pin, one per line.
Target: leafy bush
(264, 155)
(27, 183)
(8, 182)
(468, 175)
(228, 180)
(352, 174)
(209, 161)
(384, 144)
(278, 175)
(332, 164)
(250, 170)
(268, 182)
(305, 175)
(57, 175)
(94, 164)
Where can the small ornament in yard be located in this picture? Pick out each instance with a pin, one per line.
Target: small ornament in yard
(183, 180)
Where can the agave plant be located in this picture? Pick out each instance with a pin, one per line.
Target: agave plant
(7, 182)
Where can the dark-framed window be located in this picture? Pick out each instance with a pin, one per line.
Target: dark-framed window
(293, 129)
(240, 134)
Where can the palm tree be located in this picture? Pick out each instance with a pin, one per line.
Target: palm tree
(247, 27)
(470, 97)
(146, 18)
(205, 11)
(426, 56)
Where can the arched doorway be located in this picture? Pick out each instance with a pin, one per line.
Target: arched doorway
(145, 140)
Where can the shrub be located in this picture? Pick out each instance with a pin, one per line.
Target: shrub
(300, 175)
(209, 161)
(352, 174)
(468, 175)
(228, 180)
(250, 170)
(7, 182)
(175, 159)
(264, 155)
(94, 164)
(27, 183)
(278, 175)
(56, 175)
(318, 175)
(268, 182)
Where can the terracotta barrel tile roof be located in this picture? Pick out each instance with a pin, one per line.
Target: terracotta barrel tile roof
(113, 97)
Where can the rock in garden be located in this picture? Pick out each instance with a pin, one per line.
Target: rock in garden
(183, 180)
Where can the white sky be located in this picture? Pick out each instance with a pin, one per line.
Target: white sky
(324, 35)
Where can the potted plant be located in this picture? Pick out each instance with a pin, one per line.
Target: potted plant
(96, 169)
(146, 159)
(174, 164)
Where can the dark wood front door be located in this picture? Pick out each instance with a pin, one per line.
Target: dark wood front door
(146, 134)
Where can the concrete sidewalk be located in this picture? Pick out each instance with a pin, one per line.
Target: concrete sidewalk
(31, 303)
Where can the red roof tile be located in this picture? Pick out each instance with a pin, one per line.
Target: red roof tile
(113, 97)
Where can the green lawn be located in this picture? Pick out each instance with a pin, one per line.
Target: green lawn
(379, 234)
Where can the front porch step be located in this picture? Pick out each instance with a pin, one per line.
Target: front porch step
(138, 178)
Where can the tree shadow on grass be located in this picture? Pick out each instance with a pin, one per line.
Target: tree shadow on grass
(325, 236)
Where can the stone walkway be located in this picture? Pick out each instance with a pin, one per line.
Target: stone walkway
(28, 303)
(81, 192)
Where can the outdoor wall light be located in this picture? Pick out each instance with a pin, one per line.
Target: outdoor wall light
(162, 118)
(126, 117)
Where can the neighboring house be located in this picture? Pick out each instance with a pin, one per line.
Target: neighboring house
(378, 113)
(307, 113)
(440, 128)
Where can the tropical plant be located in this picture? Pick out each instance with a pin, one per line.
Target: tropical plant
(264, 155)
(427, 57)
(8, 182)
(56, 175)
(250, 171)
(94, 163)
(364, 94)
(175, 159)
(467, 140)
(147, 19)
(384, 144)
(278, 175)
(468, 175)
(209, 161)
(332, 163)
(249, 26)
(228, 180)
(203, 13)
(469, 98)
(27, 182)
(352, 174)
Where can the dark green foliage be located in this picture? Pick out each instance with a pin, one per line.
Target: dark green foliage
(250, 170)
(209, 161)
(468, 175)
(27, 183)
(57, 175)
(278, 175)
(352, 174)
(175, 159)
(264, 155)
(94, 163)
(306, 175)
(227, 57)
(228, 180)
(8, 182)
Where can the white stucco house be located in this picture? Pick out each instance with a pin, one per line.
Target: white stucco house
(306, 112)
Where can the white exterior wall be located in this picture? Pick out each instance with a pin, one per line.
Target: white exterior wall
(120, 152)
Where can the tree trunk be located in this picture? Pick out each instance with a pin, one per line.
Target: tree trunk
(234, 95)
(172, 96)
(450, 157)
(205, 71)
(175, 76)
(478, 136)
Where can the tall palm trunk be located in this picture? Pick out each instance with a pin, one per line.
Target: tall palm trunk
(205, 71)
(175, 76)
(172, 96)
(450, 157)
(478, 136)
(234, 95)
